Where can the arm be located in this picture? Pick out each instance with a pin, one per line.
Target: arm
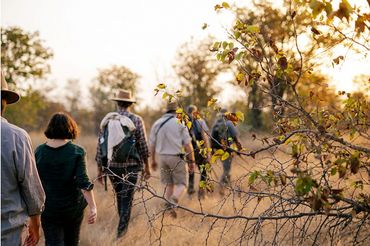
(30, 187)
(143, 147)
(89, 197)
(205, 137)
(33, 231)
(190, 156)
(99, 160)
(154, 163)
(85, 185)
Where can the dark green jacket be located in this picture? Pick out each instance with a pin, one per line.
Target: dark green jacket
(63, 174)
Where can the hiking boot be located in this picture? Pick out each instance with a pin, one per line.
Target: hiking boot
(201, 194)
(191, 191)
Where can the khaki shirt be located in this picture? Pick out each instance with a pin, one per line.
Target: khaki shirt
(171, 137)
(22, 194)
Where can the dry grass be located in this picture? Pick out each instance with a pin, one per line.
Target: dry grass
(186, 229)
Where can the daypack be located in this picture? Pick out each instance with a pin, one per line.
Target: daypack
(195, 132)
(125, 150)
(219, 135)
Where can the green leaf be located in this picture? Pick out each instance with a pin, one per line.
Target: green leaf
(252, 177)
(224, 44)
(165, 95)
(303, 185)
(237, 34)
(231, 45)
(253, 29)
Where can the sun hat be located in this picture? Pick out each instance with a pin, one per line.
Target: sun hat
(123, 96)
(9, 95)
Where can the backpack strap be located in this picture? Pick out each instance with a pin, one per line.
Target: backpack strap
(163, 123)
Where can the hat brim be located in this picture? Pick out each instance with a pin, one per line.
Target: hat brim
(10, 96)
(122, 100)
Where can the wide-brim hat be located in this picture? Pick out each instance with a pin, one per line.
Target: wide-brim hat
(9, 95)
(171, 106)
(123, 96)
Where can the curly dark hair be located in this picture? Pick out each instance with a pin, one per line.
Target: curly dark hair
(62, 126)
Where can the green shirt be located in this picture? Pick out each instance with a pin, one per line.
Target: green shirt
(63, 174)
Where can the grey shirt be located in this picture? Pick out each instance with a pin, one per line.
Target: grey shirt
(171, 137)
(22, 194)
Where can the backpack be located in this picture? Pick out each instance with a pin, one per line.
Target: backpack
(219, 135)
(125, 150)
(195, 132)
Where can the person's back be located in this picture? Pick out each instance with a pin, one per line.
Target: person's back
(167, 140)
(16, 155)
(57, 169)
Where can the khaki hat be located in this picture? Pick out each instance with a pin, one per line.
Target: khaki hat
(123, 96)
(171, 106)
(9, 96)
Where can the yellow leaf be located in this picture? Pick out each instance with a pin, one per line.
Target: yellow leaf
(201, 142)
(253, 29)
(240, 77)
(225, 5)
(165, 95)
(161, 86)
(188, 124)
(240, 115)
(179, 111)
(211, 102)
(219, 152)
(225, 156)
(214, 158)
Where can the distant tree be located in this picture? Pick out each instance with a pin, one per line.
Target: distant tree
(23, 55)
(105, 84)
(197, 70)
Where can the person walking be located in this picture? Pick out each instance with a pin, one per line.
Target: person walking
(62, 168)
(224, 135)
(198, 132)
(118, 159)
(167, 138)
(22, 195)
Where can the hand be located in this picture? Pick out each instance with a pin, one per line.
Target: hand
(93, 214)
(146, 173)
(33, 231)
(100, 177)
(154, 165)
(191, 167)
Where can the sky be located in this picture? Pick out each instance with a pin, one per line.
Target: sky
(87, 35)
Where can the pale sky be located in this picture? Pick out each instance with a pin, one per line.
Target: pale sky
(142, 35)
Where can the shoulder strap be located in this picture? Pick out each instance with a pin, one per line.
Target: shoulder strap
(163, 123)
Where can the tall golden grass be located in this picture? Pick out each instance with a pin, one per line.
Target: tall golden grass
(186, 229)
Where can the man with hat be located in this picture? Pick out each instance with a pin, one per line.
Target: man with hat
(167, 139)
(123, 174)
(22, 195)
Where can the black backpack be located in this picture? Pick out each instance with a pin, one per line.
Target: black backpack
(195, 132)
(219, 135)
(125, 150)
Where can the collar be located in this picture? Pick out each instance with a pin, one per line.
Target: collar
(3, 119)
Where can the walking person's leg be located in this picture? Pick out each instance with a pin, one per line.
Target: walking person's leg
(225, 178)
(53, 231)
(125, 189)
(201, 162)
(72, 230)
(191, 189)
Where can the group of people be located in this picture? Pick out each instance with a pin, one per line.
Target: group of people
(50, 186)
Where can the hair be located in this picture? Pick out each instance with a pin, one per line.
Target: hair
(191, 108)
(62, 126)
(123, 104)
